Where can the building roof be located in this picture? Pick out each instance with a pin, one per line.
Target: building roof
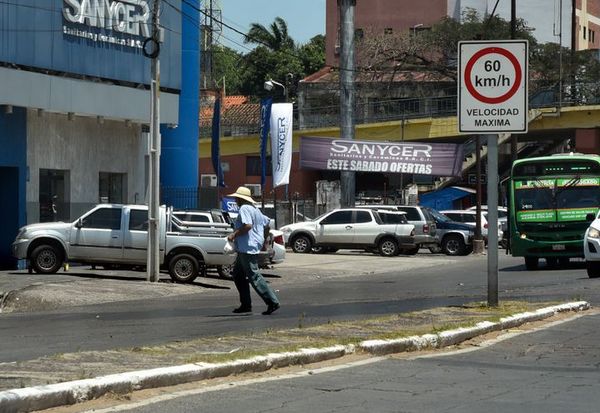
(235, 110)
(328, 74)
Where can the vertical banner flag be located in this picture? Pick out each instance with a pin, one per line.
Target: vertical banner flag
(281, 142)
(265, 117)
(216, 136)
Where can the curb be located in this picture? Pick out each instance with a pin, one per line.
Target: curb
(60, 394)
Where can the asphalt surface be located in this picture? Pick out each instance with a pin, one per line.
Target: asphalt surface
(313, 289)
(64, 326)
(551, 370)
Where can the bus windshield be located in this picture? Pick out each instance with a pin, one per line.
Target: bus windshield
(556, 199)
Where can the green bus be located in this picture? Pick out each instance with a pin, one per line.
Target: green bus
(551, 199)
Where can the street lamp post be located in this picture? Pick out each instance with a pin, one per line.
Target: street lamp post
(270, 84)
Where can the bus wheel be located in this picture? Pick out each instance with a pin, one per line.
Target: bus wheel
(531, 263)
(593, 269)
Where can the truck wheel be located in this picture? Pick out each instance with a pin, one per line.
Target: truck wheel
(453, 245)
(301, 244)
(225, 271)
(46, 259)
(531, 263)
(183, 268)
(388, 247)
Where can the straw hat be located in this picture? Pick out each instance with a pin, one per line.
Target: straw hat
(243, 193)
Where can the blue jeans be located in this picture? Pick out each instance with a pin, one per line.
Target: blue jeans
(245, 272)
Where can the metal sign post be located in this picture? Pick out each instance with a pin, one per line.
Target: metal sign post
(492, 99)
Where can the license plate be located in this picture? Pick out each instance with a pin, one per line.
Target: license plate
(558, 247)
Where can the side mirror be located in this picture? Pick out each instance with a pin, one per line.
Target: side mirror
(590, 217)
(79, 224)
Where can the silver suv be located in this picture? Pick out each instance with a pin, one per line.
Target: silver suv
(425, 226)
(351, 228)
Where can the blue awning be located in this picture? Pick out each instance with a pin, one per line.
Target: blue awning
(443, 199)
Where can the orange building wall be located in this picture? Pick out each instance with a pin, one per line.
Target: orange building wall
(302, 181)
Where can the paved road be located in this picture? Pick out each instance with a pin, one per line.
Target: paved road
(346, 295)
(554, 369)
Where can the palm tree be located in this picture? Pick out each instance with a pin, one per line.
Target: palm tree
(275, 39)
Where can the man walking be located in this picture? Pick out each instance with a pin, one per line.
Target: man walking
(251, 230)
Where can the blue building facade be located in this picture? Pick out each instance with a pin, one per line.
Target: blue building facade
(75, 102)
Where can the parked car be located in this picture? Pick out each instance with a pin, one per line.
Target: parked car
(455, 238)
(349, 228)
(425, 226)
(502, 222)
(591, 248)
(469, 217)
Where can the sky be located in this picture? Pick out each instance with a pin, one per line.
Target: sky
(542, 14)
(305, 19)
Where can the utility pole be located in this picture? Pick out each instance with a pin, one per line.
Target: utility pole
(153, 261)
(514, 147)
(347, 93)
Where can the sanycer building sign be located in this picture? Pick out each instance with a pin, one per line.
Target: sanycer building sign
(123, 22)
(440, 159)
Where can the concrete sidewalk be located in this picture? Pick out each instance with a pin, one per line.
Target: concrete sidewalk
(71, 378)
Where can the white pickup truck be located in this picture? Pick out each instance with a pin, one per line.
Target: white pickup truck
(112, 234)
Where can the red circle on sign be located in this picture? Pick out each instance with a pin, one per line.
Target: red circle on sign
(501, 98)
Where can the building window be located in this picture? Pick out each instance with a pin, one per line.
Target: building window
(112, 188)
(584, 32)
(254, 166)
(53, 195)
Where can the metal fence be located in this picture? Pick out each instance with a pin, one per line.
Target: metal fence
(311, 115)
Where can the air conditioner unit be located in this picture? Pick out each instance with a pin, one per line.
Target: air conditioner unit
(208, 180)
(254, 189)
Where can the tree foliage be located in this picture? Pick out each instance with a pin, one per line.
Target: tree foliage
(276, 57)
(277, 38)
(226, 63)
(433, 52)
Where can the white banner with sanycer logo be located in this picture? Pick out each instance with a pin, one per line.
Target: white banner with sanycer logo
(281, 142)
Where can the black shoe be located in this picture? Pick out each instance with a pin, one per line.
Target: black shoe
(271, 309)
(242, 309)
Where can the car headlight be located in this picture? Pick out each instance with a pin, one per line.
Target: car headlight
(593, 233)
(22, 233)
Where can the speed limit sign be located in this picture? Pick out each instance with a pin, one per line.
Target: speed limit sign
(492, 86)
